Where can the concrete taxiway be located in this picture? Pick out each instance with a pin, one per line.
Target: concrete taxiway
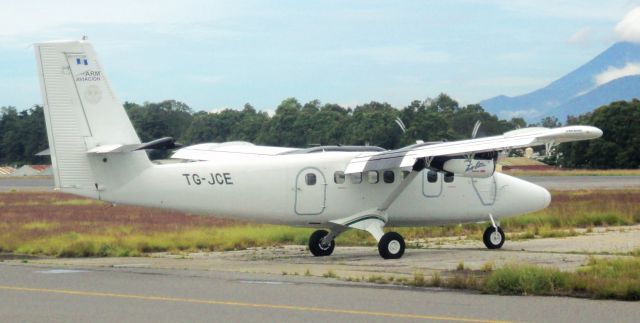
(286, 285)
(30, 293)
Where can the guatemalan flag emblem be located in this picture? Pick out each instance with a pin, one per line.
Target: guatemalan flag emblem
(82, 61)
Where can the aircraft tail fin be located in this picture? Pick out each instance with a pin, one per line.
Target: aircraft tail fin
(82, 112)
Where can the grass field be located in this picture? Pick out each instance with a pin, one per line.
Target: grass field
(600, 278)
(616, 278)
(62, 225)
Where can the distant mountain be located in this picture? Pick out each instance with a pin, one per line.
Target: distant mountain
(624, 88)
(580, 91)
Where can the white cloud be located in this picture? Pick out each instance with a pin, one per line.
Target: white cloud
(526, 114)
(628, 28)
(23, 22)
(612, 73)
(581, 37)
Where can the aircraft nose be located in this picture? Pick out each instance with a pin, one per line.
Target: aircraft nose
(540, 197)
(524, 197)
(546, 197)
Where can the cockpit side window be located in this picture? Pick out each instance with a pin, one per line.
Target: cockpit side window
(448, 177)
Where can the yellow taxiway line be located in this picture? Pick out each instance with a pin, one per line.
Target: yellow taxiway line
(246, 304)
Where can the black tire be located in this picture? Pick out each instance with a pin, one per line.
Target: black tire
(490, 238)
(316, 247)
(391, 246)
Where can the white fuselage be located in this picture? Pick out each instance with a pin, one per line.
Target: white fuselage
(275, 189)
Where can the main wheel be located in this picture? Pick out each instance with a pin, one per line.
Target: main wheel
(492, 238)
(391, 245)
(316, 246)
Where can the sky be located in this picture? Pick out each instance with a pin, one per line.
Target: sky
(222, 54)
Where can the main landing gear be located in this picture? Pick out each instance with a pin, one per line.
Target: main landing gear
(318, 246)
(390, 246)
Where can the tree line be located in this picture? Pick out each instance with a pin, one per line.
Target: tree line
(23, 134)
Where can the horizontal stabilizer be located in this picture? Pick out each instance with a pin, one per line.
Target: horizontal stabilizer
(162, 143)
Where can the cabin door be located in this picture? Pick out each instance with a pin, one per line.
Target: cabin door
(311, 188)
(486, 189)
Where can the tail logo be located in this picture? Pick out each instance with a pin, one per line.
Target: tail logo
(93, 94)
(82, 61)
(88, 76)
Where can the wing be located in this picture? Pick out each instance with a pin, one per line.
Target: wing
(527, 137)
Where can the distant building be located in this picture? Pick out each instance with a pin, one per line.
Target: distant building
(47, 172)
(6, 171)
(32, 170)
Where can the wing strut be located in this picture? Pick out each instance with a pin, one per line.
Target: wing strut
(418, 166)
(391, 244)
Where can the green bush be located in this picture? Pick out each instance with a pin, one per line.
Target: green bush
(525, 280)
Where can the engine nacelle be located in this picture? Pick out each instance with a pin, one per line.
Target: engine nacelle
(477, 168)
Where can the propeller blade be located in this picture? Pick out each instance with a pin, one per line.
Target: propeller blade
(474, 133)
(476, 127)
(401, 125)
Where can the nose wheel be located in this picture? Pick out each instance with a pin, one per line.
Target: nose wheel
(493, 237)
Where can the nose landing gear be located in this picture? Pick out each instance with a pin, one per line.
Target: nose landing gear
(493, 237)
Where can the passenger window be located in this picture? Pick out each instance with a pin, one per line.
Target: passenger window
(448, 177)
(432, 176)
(310, 179)
(388, 176)
(356, 178)
(338, 177)
(373, 176)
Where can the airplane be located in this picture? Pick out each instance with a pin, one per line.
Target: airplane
(96, 153)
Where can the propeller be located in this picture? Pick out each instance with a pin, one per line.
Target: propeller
(474, 133)
(401, 125)
(476, 127)
(548, 147)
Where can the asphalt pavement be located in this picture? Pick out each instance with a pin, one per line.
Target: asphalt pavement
(31, 293)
